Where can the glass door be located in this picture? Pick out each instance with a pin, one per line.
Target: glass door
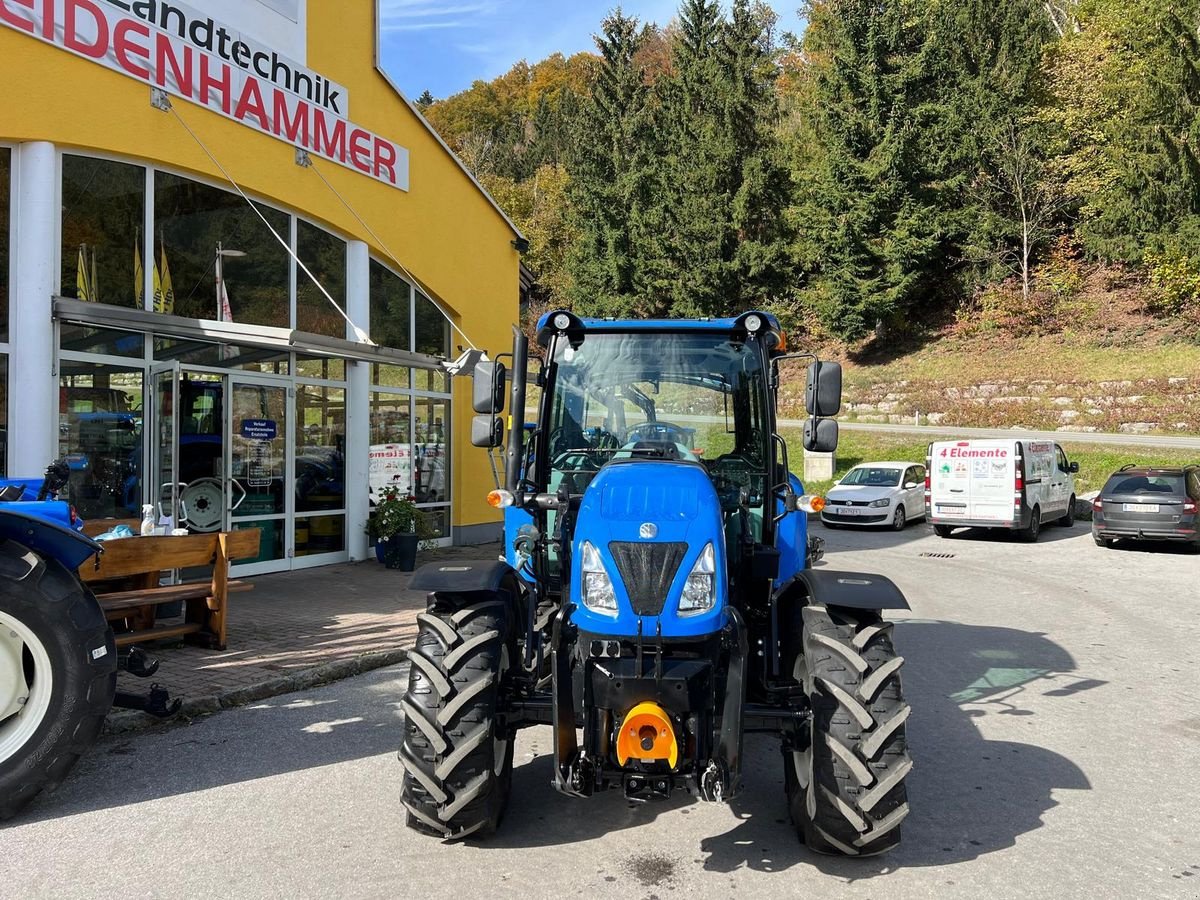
(162, 425)
(258, 468)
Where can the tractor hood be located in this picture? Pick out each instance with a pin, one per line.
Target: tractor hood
(649, 524)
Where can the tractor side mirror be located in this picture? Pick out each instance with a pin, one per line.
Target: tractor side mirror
(820, 435)
(487, 432)
(487, 388)
(823, 393)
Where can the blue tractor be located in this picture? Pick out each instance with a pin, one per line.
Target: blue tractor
(657, 599)
(58, 657)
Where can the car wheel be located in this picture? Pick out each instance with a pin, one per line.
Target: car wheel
(1031, 534)
(1101, 542)
(1068, 521)
(899, 520)
(943, 531)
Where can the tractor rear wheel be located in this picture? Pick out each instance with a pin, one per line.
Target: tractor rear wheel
(58, 674)
(845, 784)
(457, 756)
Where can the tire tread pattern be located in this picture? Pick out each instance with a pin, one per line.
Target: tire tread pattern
(855, 797)
(451, 788)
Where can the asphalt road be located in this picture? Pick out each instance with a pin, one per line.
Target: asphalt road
(1055, 731)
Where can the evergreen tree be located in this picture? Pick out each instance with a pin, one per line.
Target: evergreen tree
(611, 166)
(870, 198)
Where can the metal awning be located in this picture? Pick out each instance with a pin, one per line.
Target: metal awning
(100, 315)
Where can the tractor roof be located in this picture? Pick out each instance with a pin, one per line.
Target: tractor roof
(769, 324)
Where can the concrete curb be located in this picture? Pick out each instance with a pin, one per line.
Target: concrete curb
(128, 721)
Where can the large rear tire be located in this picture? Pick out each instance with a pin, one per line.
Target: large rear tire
(457, 758)
(58, 674)
(845, 789)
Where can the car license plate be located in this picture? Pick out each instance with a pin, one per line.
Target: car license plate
(849, 511)
(1140, 507)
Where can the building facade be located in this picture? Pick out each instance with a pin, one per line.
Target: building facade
(233, 262)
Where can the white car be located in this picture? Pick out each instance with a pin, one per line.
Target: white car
(880, 494)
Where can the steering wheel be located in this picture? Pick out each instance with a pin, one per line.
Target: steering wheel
(658, 431)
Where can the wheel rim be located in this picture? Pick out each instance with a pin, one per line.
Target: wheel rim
(898, 519)
(26, 684)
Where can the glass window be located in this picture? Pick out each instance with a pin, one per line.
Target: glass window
(321, 367)
(320, 448)
(391, 298)
(431, 450)
(102, 219)
(191, 221)
(3, 414)
(325, 256)
(107, 341)
(100, 435)
(224, 356)
(391, 444)
(432, 338)
(390, 376)
(5, 203)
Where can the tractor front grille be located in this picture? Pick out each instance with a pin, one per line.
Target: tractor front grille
(647, 571)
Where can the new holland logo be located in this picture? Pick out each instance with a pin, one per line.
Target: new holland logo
(648, 531)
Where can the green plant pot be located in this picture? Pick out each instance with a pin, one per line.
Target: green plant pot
(400, 552)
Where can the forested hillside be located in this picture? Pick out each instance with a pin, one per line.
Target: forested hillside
(1009, 168)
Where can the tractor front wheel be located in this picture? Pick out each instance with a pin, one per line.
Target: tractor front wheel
(58, 674)
(457, 757)
(845, 777)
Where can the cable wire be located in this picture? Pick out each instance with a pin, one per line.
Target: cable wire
(359, 333)
(392, 256)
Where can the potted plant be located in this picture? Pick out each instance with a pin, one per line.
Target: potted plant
(398, 528)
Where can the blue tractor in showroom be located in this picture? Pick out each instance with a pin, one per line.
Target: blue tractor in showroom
(657, 600)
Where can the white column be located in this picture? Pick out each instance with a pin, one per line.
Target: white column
(32, 384)
(358, 401)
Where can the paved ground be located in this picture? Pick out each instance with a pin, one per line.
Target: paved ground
(1055, 731)
(293, 623)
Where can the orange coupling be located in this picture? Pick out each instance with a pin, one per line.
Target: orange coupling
(647, 735)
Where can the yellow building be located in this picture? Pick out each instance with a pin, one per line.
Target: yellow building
(236, 260)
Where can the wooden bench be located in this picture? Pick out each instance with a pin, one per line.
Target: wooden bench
(125, 579)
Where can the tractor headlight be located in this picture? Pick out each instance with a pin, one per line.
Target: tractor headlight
(598, 593)
(700, 589)
(879, 504)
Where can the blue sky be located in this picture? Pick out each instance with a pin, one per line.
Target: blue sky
(445, 45)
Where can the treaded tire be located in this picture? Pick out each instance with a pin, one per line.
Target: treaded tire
(846, 790)
(1068, 521)
(900, 519)
(943, 531)
(64, 617)
(457, 762)
(1031, 533)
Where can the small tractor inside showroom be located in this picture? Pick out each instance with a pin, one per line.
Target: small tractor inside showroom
(657, 600)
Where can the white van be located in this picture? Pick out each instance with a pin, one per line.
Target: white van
(1013, 484)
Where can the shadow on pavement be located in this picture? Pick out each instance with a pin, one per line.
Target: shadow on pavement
(970, 796)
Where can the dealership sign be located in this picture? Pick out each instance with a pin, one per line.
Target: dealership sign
(186, 53)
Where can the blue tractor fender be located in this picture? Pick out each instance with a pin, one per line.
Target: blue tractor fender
(39, 529)
(849, 590)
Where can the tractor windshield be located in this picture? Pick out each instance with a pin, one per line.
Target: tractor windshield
(690, 396)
